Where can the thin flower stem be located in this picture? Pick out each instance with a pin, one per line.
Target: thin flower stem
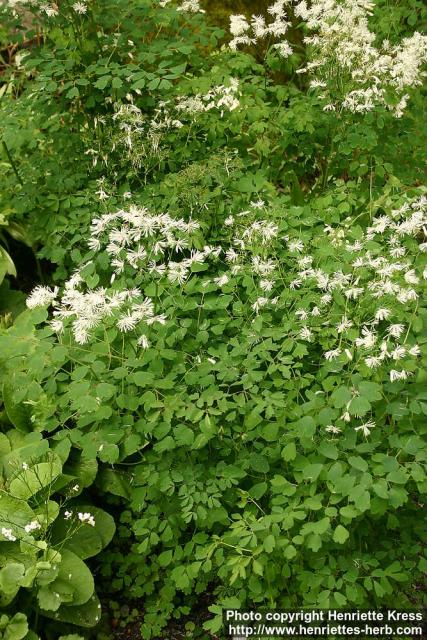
(12, 163)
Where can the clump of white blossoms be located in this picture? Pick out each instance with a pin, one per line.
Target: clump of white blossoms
(350, 70)
(378, 278)
(377, 287)
(135, 241)
(41, 296)
(142, 135)
(48, 9)
(221, 97)
(86, 518)
(80, 7)
(189, 6)
(246, 32)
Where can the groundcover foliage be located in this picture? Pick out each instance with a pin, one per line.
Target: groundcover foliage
(213, 336)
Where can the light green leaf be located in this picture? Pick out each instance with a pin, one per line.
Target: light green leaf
(30, 481)
(289, 452)
(340, 534)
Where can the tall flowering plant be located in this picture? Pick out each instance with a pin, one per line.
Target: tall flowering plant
(240, 375)
(349, 295)
(347, 67)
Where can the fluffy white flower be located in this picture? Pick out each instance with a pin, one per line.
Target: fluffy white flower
(50, 10)
(266, 285)
(231, 255)
(221, 280)
(395, 330)
(373, 361)
(411, 277)
(398, 353)
(415, 350)
(302, 314)
(367, 340)
(41, 296)
(191, 6)
(57, 326)
(259, 303)
(332, 429)
(366, 428)
(382, 314)
(284, 49)
(305, 334)
(353, 292)
(398, 375)
(178, 272)
(80, 7)
(295, 246)
(344, 324)
(326, 299)
(238, 25)
(332, 354)
(143, 342)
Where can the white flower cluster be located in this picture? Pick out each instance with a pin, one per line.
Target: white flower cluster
(189, 6)
(50, 9)
(221, 97)
(142, 134)
(88, 308)
(246, 32)
(86, 518)
(135, 240)
(352, 72)
(374, 283)
(80, 7)
(136, 127)
(134, 123)
(370, 278)
(41, 296)
(249, 252)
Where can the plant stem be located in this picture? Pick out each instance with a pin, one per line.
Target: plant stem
(12, 163)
